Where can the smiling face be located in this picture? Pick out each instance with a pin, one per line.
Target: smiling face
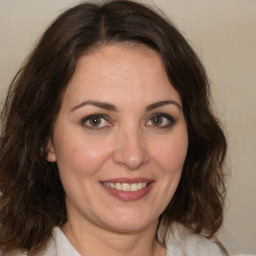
(120, 139)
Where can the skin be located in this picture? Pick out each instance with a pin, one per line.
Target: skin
(129, 140)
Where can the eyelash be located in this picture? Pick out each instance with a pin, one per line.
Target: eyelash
(171, 121)
(95, 116)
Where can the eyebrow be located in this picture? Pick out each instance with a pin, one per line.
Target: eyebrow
(111, 107)
(98, 104)
(162, 103)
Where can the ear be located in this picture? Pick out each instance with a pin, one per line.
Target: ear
(50, 152)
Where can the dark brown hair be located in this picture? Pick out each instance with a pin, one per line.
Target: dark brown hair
(32, 198)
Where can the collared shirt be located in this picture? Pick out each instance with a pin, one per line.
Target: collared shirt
(179, 242)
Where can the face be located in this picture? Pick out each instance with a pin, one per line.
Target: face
(120, 139)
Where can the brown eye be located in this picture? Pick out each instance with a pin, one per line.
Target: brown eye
(161, 120)
(95, 121)
(157, 120)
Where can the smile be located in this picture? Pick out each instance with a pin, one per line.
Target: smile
(126, 187)
(128, 190)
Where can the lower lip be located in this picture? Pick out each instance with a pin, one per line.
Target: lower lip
(128, 196)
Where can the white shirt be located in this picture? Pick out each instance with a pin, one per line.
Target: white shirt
(179, 242)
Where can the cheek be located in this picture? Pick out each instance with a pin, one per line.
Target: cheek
(171, 154)
(75, 156)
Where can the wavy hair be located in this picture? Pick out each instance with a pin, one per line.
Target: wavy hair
(32, 198)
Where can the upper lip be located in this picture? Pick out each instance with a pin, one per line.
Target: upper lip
(128, 180)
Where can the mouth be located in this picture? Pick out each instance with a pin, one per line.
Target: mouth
(128, 189)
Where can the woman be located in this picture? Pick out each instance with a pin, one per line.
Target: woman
(109, 145)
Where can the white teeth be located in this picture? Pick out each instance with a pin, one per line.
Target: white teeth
(118, 186)
(134, 187)
(127, 187)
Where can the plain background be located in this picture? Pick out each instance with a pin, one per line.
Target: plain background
(223, 33)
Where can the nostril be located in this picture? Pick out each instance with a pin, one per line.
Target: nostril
(130, 149)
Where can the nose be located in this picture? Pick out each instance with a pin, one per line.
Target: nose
(130, 150)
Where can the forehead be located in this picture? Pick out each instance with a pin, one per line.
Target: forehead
(120, 71)
(121, 59)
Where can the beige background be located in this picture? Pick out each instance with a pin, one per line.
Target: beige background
(223, 32)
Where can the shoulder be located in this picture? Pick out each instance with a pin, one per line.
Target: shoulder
(16, 253)
(58, 245)
(181, 241)
(50, 250)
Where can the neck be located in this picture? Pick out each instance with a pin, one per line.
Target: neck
(91, 239)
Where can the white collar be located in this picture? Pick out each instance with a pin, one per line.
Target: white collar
(179, 242)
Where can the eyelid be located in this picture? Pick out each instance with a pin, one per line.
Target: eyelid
(170, 119)
(87, 118)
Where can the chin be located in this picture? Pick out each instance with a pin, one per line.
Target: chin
(130, 223)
